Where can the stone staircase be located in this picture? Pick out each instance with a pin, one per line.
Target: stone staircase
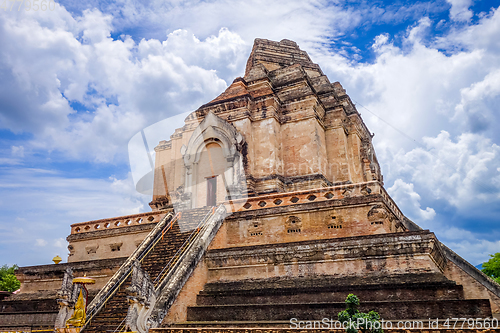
(112, 316)
(113, 313)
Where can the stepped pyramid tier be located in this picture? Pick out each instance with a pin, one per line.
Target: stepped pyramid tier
(302, 220)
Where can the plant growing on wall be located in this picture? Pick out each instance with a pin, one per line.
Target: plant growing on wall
(353, 320)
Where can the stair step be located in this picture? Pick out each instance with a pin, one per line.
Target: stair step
(478, 308)
(323, 289)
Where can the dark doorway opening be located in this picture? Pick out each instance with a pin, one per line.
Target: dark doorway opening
(211, 191)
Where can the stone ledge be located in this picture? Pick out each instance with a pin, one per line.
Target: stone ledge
(117, 222)
(368, 241)
(326, 283)
(76, 266)
(110, 232)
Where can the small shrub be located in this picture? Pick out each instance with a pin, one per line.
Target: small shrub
(353, 320)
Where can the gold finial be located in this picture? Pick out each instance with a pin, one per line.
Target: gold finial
(56, 259)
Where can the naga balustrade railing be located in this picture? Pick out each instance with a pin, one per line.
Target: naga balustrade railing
(171, 265)
(116, 281)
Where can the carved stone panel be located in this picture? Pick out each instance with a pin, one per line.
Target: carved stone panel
(293, 224)
(91, 249)
(255, 228)
(334, 220)
(377, 215)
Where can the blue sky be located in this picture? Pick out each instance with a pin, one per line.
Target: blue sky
(77, 83)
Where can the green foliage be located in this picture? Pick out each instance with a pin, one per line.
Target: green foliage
(8, 280)
(353, 320)
(4, 270)
(352, 302)
(492, 267)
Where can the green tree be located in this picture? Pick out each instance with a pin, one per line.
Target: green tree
(492, 267)
(8, 280)
(353, 320)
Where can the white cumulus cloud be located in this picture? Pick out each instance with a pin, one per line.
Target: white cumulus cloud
(409, 201)
(459, 10)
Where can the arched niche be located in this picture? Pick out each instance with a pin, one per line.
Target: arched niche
(212, 136)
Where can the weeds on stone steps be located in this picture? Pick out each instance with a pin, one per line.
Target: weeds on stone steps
(355, 321)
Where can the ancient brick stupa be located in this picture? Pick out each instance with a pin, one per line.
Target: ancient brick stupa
(300, 219)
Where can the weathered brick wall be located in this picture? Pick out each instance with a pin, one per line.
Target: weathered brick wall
(47, 279)
(476, 284)
(410, 252)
